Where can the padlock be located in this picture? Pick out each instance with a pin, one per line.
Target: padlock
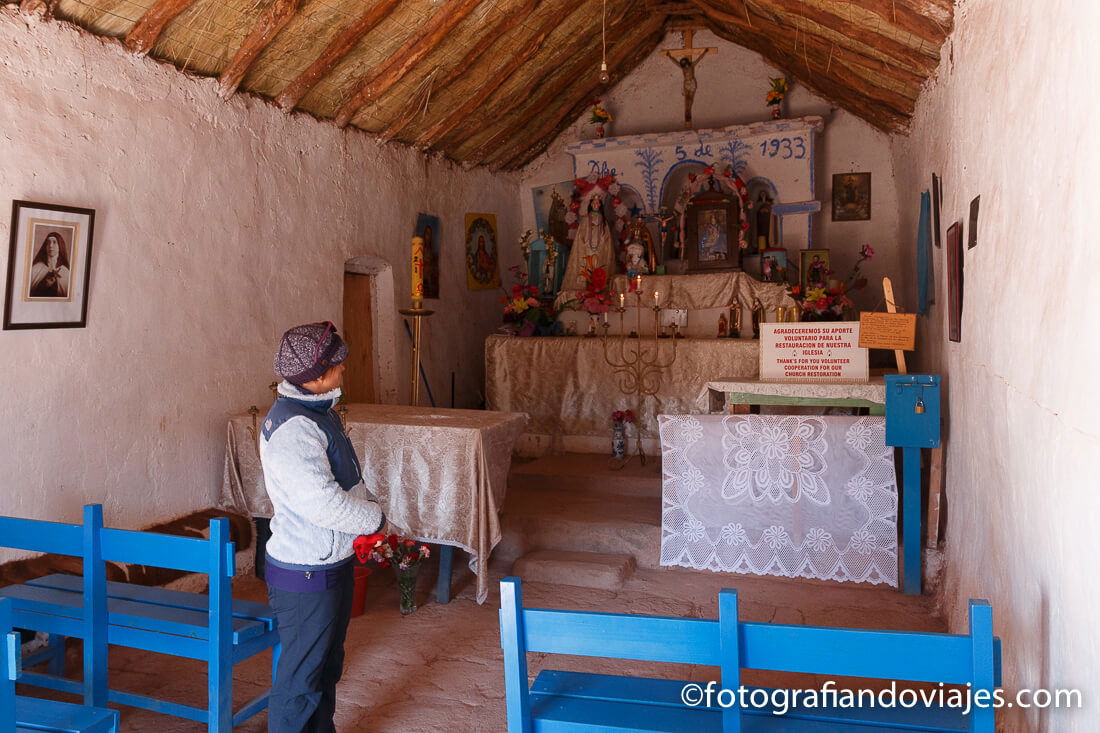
(919, 407)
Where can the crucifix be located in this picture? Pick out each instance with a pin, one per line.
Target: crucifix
(686, 58)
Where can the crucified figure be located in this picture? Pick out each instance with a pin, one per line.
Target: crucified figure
(687, 58)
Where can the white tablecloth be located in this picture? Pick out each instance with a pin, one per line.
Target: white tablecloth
(786, 495)
(439, 474)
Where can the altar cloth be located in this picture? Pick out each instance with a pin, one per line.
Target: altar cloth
(786, 495)
(439, 474)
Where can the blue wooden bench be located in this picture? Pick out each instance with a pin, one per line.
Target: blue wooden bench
(18, 713)
(210, 627)
(575, 701)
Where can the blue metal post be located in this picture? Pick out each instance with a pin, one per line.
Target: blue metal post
(95, 609)
(911, 520)
(443, 583)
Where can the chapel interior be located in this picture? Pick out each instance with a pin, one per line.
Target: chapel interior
(645, 299)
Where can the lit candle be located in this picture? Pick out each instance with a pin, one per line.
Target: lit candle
(638, 285)
(656, 297)
(605, 316)
(417, 268)
(622, 300)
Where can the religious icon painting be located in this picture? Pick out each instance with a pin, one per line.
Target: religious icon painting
(482, 254)
(551, 208)
(427, 228)
(813, 268)
(851, 196)
(49, 266)
(773, 266)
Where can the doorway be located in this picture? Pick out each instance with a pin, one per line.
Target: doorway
(359, 334)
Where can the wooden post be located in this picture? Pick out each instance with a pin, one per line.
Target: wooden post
(935, 494)
(891, 307)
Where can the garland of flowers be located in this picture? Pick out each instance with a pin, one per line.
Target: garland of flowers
(727, 182)
(595, 185)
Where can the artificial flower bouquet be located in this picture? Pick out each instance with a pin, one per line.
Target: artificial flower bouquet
(619, 418)
(823, 301)
(522, 306)
(596, 296)
(401, 553)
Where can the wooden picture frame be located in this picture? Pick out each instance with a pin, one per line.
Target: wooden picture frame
(851, 196)
(713, 225)
(49, 266)
(954, 282)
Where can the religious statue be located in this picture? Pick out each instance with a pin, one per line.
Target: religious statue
(670, 230)
(592, 247)
(640, 251)
(723, 326)
(816, 273)
(763, 220)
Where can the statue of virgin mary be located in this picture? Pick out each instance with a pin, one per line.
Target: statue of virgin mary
(592, 247)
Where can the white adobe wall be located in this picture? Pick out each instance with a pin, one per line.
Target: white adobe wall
(732, 86)
(1011, 117)
(218, 225)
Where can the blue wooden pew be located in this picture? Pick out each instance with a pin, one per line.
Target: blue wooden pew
(577, 701)
(210, 627)
(18, 713)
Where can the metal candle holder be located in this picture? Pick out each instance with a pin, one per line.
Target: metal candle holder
(418, 313)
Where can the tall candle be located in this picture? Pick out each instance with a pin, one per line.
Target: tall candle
(656, 298)
(622, 300)
(417, 268)
(638, 285)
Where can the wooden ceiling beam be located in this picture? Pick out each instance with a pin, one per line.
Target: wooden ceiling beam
(509, 128)
(147, 30)
(380, 79)
(334, 53)
(502, 107)
(274, 19)
(530, 46)
(855, 36)
(625, 56)
(507, 22)
(929, 20)
(756, 27)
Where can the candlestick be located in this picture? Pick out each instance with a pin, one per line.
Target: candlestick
(417, 268)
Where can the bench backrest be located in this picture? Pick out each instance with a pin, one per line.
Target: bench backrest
(9, 666)
(732, 645)
(98, 545)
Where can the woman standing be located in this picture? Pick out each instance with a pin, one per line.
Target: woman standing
(313, 478)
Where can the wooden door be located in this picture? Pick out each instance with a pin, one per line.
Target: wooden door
(358, 332)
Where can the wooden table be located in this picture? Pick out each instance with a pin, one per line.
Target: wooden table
(440, 475)
(719, 395)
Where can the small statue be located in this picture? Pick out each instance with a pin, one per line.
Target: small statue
(763, 220)
(735, 320)
(670, 229)
(758, 314)
(640, 252)
(723, 326)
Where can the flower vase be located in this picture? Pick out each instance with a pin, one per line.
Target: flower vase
(600, 131)
(618, 441)
(406, 584)
(776, 111)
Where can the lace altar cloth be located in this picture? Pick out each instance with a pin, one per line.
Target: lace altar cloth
(440, 475)
(787, 495)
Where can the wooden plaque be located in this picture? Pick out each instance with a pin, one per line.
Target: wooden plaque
(894, 331)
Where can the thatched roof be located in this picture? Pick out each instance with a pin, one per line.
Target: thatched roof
(494, 81)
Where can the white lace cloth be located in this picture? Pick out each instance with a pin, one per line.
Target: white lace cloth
(788, 495)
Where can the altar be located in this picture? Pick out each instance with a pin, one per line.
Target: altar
(569, 391)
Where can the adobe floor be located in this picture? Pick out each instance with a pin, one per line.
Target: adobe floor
(440, 668)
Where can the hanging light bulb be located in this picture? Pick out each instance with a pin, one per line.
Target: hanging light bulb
(604, 76)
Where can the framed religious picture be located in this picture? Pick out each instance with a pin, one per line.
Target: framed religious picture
(712, 226)
(813, 268)
(773, 265)
(482, 260)
(954, 281)
(49, 266)
(851, 196)
(427, 227)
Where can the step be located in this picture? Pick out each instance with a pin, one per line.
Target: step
(580, 520)
(587, 471)
(603, 571)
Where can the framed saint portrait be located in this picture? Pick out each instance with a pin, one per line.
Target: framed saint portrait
(773, 266)
(813, 268)
(427, 227)
(713, 222)
(482, 260)
(954, 281)
(49, 266)
(851, 196)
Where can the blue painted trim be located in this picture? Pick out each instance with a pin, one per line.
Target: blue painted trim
(730, 636)
(513, 638)
(803, 207)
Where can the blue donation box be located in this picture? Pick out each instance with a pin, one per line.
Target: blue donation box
(913, 410)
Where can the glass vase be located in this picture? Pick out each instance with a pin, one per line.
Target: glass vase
(406, 585)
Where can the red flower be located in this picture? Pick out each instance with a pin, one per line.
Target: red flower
(709, 170)
(392, 540)
(410, 543)
(598, 278)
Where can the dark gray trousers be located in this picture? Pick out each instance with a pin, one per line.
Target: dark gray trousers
(312, 627)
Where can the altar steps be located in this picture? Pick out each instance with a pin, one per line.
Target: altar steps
(572, 514)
